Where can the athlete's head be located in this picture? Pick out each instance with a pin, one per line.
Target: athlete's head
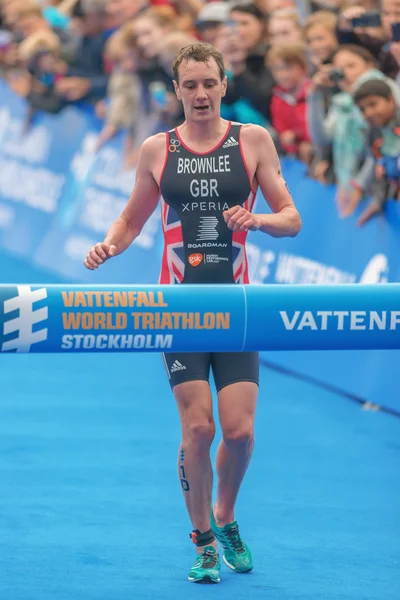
(200, 80)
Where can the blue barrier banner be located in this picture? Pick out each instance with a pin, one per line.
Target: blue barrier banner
(34, 162)
(194, 318)
(96, 193)
(328, 250)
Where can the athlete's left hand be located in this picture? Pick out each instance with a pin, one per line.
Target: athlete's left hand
(238, 218)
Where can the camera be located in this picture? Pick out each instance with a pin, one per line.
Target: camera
(395, 32)
(368, 19)
(336, 75)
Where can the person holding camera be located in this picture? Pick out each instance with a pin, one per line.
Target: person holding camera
(344, 126)
(374, 30)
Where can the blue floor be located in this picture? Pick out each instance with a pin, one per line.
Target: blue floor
(91, 508)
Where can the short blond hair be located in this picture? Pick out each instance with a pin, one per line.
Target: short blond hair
(324, 18)
(290, 54)
(288, 14)
(41, 41)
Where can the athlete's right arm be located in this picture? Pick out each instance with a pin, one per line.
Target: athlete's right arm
(141, 204)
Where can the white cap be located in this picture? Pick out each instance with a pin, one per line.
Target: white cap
(213, 12)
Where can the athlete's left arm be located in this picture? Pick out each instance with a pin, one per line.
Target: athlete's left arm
(284, 221)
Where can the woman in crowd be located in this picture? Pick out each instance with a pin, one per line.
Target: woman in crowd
(344, 126)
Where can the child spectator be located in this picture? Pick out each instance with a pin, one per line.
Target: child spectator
(378, 105)
(288, 64)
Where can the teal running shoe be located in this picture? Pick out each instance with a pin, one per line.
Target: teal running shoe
(236, 554)
(206, 568)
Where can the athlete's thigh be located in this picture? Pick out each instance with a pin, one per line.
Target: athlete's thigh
(187, 366)
(232, 367)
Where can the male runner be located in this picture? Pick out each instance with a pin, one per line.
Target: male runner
(207, 171)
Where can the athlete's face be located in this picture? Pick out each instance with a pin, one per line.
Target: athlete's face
(200, 89)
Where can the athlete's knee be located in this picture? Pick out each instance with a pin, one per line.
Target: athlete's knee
(199, 432)
(239, 434)
(195, 407)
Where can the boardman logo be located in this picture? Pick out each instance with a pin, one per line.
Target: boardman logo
(207, 229)
(23, 324)
(195, 259)
(230, 142)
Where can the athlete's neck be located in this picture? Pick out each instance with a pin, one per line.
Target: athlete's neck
(203, 134)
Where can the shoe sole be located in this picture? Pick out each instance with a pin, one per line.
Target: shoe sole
(233, 568)
(205, 579)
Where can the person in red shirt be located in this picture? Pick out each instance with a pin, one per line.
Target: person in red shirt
(288, 64)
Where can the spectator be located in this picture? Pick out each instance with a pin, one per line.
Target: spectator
(288, 64)
(382, 112)
(344, 125)
(124, 91)
(284, 27)
(210, 21)
(26, 18)
(320, 35)
(375, 39)
(169, 46)
(244, 45)
(150, 28)
(86, 78)
(41, 54)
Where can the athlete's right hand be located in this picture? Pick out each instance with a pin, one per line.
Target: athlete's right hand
(98, 254)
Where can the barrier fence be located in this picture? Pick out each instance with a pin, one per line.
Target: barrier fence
(199, 318)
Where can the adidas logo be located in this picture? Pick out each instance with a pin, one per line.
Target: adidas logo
(230, 142)
(177, 366)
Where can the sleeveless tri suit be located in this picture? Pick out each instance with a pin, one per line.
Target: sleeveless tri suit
(199, 248)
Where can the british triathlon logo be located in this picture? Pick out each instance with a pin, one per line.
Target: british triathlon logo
(174, 145)
(23, 328)
(195, 259)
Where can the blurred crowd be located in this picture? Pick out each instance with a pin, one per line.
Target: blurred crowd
(321, 75)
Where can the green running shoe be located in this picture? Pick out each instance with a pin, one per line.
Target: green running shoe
(206, 568)
(236, 555)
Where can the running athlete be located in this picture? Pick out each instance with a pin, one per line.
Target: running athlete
(208, 171)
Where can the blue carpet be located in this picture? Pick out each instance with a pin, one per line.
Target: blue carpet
(91, 508)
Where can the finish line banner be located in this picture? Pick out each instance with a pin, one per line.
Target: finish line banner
(196, 318)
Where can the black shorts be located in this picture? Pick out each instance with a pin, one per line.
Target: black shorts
(227, 367)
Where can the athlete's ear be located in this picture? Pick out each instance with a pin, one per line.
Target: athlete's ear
(177, 92)
(224, 85)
